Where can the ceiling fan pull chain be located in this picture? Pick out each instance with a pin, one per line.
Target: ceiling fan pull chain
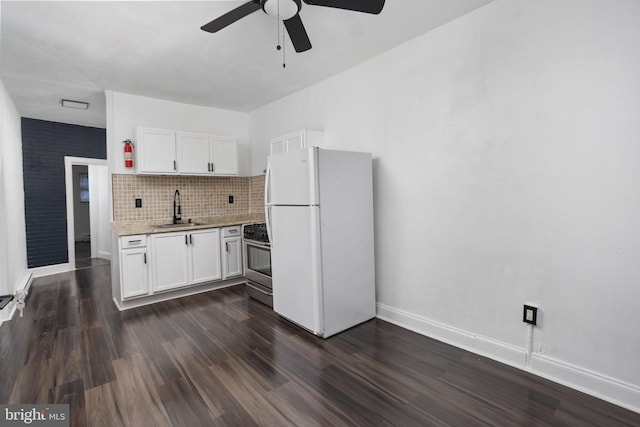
(278, 47)
(284, 64)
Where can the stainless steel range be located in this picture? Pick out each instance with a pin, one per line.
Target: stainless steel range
(257, 265)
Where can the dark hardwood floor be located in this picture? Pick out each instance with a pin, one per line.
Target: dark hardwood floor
(219, 359)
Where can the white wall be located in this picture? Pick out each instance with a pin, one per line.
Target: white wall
(506, 171)
(13, 243)
(13, 250)
(125, 112)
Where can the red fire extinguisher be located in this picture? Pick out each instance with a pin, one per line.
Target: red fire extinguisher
(128, 153)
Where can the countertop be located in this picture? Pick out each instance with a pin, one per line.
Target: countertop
(127, 228)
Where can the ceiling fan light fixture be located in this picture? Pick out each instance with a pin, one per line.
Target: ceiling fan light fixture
(282, 9)
(78, 105)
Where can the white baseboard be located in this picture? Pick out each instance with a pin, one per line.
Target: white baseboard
(478, 344)
(589, 382)
(104, 255)
(50, 269)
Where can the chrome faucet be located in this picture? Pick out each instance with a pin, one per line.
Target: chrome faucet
(177, 212)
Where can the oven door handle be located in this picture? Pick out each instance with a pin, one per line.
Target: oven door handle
(257, 244)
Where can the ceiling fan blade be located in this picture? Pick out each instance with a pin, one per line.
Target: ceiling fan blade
(297, 34)
(366, 6)
(231, 17)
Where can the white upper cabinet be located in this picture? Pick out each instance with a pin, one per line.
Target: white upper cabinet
(298, 140)
(164, 152)
(200, 154)
(224, 155)
(193, 153)
(155, 151)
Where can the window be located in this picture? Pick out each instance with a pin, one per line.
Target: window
(84, 187)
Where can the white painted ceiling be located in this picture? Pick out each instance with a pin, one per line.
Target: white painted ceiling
(76, 50)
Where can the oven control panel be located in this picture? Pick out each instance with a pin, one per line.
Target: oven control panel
(257, 232)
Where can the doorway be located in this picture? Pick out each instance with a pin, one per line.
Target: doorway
(81, 216)
(88, 226)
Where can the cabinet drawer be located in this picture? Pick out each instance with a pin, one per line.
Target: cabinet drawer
(135, 241)
(231, 231)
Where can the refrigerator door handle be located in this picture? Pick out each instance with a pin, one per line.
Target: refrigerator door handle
(267, 186)
(267, 202)
(267, 217)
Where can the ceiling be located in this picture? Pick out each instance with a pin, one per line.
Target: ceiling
(76, 50)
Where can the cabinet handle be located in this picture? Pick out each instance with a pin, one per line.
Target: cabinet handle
(208, 167)
(174, 165)
(213, 167)
(131, 242)
(186, 242)
(235, 230)
(226, 245)
(145, 257)
(191, 239)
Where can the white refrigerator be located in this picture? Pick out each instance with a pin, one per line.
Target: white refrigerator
(319, 214)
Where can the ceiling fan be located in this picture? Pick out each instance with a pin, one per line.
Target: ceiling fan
(288, 12)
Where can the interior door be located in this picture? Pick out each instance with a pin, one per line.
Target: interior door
(295, 265)
(292, 178)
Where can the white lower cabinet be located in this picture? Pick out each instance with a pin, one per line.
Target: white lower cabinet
(184, 258)
(133, 267)
(231, 252)
(169, 261)
(204, 255)
(150, 264)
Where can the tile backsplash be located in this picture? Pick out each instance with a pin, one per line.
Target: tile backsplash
(199, 196)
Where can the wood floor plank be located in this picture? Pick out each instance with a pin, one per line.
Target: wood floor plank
(32, 383)
(241, 384)
(72, 394)
(101, 407)
(136, 395)
(194, 368)
(184, 405)
(305, 407)
(222, 359)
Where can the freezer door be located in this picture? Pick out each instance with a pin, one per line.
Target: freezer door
(295, 258)
(292, 178)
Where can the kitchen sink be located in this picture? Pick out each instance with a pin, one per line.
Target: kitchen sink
(186, 224)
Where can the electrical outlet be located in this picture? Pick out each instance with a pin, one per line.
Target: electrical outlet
(530, 314)
(138, 203)
(230, 199)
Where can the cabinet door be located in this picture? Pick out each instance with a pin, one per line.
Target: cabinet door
(224, 156)
(193, 153)
(295, 141)
(231, 257)
(204, 247)
(169, 264)
(156, 151)
(277, 146)
(133, 273)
